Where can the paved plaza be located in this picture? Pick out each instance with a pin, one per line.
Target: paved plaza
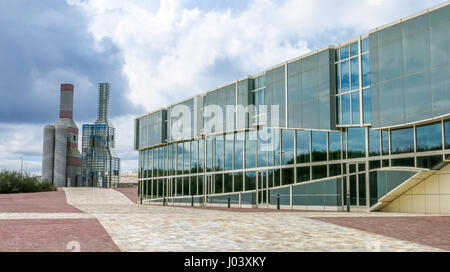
(94, 219)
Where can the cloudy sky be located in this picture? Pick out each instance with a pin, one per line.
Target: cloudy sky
(153, 53)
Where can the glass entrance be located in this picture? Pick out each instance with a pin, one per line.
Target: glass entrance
(355, 184)
(262, 194)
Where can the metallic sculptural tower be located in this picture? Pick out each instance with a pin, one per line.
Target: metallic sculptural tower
(61, 159)
(100, 162)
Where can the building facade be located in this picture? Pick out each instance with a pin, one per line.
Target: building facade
(364, 124)
(100, 162)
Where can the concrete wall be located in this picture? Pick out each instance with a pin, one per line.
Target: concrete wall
(431, 196)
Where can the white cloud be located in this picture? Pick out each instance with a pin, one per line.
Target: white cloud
(172, 52)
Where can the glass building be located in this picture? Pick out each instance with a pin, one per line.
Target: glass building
(349, 124)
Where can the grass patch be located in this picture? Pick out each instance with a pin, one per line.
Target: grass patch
(12, 182)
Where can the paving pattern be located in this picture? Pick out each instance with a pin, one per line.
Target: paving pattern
(47, 202)
(431, 230)
(154, 228)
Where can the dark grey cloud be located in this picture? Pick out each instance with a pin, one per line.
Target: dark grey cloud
(45, 43)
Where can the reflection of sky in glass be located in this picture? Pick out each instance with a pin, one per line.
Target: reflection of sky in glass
(354, 49)
(447, 134)
(319, 145)
(385, 143)
(287, 146)
(302, 146)
(429, 137)
(238, 149)
(355, 108)
(345, 78)
(355, 73)
(356, 142)
(374, 142)
(344, 52)
(367, 106)
(346, 109)
(229, 151)
(365, 59)
(402, 141)
(365, 45)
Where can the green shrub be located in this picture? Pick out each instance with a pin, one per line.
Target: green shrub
(12, 182)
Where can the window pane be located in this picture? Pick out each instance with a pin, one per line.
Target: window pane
(319, 146)
(250, 149)
(385, 142)
(238, 183)
(186, 156)
(354, 49)
(346, 109)
(355, 108)
(303, 174)
(229, 141)
(345, 76)
(287, 176)
(209, 153)
(219, 153)
(228, 183)
(447, 134)
(367, 106)
(239, 149)
(263, 150)
(374, 142)
(355, 73)
(287, 146)
(303, 146)
(186, 186)
(194, 157)
(250, 181)
(344, 52)
(334, 146)
(218, 184)
(428, 162)
(319, 172)
(276, 146)
(337, 54)
(429, 137)
(365, 59)
(335, 170)
(356, 143)
(365, 45)
(201, 160)
(402, 141)
(338, 110)
(338, 77)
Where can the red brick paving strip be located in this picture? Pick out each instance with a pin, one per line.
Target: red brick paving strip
(47, 202)
(431, 231)
(53, 235)
(131, 193)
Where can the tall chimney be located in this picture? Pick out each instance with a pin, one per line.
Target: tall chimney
(66, 102)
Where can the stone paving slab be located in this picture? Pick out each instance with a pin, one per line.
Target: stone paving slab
(46, 202)
(431, 230)
(156, 228)
(54, 235)
(44, 215)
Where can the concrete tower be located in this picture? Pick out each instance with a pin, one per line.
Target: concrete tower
(101, 164)
(61, 159)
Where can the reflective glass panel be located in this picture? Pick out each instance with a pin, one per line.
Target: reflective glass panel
(201, 160)
(344, 52)
(319, 146)
(239, 150)
(346, 109)
(238, 183)
(365, 59)
(367, 106)
(374, 142)
(355, 108)
(276, 146)
(345, 76)
(447, 134)
(385, 142)
(319, 172)
(287, 147)
(303, 174)
(287, 176)
(356, 143)
(338, 78)
(194, 156)
(354, 49)
(355, 73)
(186, 156)
(229, 142)
(209, 153)
(429, 137)
(402, 141)
(303, 146)
(219, 153)
(334, 146)
(263, 147)
(250, 149)
(365, 45)
(250, 181)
